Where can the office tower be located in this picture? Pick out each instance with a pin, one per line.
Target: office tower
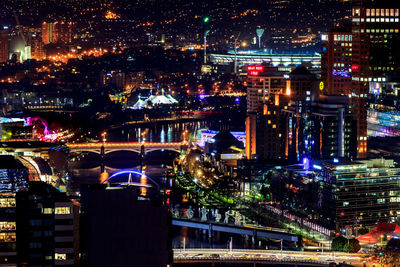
(4, 46)
(303, 90)
(336, 61)
(327, 130)
(64, 32)
(59, 31)
(48, 33)
(376, 39)
(264, 85)
(13, 178)
(47, 227)
(345, 195)
(119, 228)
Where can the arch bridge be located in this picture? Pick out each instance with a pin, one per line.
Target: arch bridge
(138, 147)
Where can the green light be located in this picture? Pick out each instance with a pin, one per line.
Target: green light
(206, 19)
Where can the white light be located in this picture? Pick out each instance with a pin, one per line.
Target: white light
(317, 167)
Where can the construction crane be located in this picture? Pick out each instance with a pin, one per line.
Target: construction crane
(19, 27)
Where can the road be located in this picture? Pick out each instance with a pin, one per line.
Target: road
(355, 259)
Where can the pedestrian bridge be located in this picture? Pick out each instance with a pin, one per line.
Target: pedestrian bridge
(138, 147)
(276, 234)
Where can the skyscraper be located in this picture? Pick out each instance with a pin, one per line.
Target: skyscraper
(336, 61)
(264, 85)
(53, 32)
(368, 55)
(375, 56)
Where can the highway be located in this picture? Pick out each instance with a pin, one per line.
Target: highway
(269, 256)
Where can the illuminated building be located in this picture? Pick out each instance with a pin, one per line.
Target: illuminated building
(125, 227)
(296, 121)
(376, 56)
(13, 178)
(37, 50)
(4, 46)
(265, 83)
(340, 195)
(115, 78)
(47, 227)
(59, 31)
(284, 62)
(336, 61)
(327, 130)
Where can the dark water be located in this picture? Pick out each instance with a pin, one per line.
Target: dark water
(172, 132)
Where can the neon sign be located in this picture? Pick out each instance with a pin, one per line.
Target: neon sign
(345, 74)
(255, 70)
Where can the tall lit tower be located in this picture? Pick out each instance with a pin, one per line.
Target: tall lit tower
(260, 33)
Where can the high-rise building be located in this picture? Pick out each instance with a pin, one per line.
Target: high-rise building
(59, 31)
(47, 227)
(4, 46)
(327, 130)
(336, 61)
(37, 49)
(371, 49)
(376, 56)
(13, 178)
(297, 121)
(265, 83)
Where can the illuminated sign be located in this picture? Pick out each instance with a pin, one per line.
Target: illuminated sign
(345, 74)
(254, 70)
(321, 86)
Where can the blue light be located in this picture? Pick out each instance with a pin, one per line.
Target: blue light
(335, 160)
(306, 163)
(237, 100)
(202, 97)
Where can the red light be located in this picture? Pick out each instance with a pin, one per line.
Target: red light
(342, 213)
(168, 191)
(254, 73)
(255, 68)
(354, 67)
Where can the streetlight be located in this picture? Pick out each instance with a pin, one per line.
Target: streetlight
(205, 44)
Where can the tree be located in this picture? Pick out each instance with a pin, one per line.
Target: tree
(338, 243)
(343, 244)
(392, 252)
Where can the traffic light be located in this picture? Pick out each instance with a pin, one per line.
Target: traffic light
(206, 19)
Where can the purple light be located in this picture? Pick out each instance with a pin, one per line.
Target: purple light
(237, 100)
(345, 74)
(132, 172)
(202, 97)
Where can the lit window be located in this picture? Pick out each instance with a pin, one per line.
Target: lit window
(62, 210)
(60, 257)
(47, 211)
(7, 226)
(7, 202)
